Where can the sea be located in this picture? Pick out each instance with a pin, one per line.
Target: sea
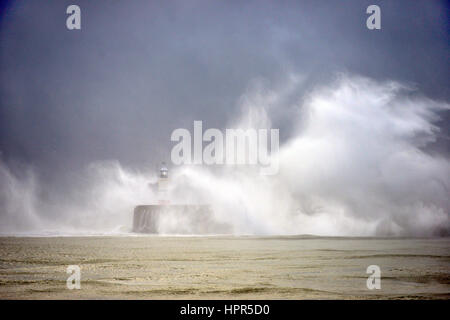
(130, 266)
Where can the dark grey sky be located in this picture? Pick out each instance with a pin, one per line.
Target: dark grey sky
(139, 69)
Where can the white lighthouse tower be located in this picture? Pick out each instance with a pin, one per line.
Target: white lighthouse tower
(163, 185)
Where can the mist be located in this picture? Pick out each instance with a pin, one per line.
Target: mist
(356, 164)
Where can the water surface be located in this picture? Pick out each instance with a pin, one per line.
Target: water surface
(223, 267)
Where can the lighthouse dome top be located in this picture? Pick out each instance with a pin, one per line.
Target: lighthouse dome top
(163, 171)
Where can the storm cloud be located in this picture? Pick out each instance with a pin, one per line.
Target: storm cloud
(109, 96)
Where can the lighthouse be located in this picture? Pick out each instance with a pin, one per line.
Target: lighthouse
(165, 217)
(163, 185)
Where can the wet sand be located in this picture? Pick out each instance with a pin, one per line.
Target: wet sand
(218, 267)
